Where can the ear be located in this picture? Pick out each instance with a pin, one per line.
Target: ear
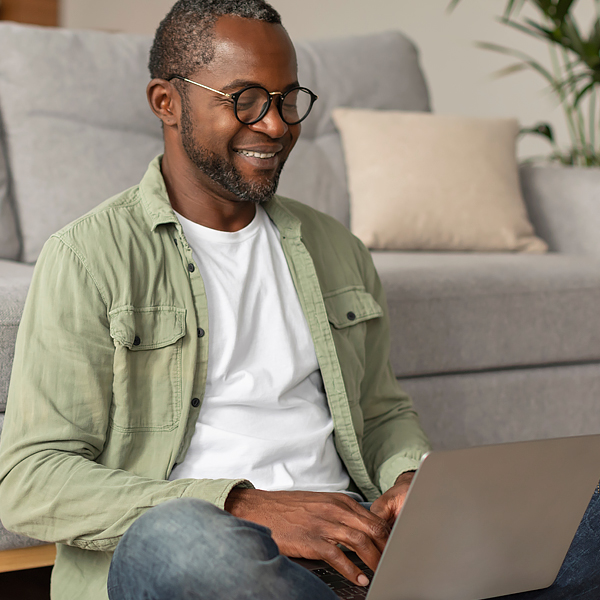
(164, 101)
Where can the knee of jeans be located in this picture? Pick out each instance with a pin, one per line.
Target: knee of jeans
(192, 527)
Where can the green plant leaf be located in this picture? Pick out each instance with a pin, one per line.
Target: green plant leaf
(571, 32)
(539, 32)
(574, 76)
(543, 129)
(548, 33)
(569, 84)
(534, 64)
(592, 46)
(594, 37)
(510, 70)
(513, 6)
(581, 94)
(562, 8)
(546, 7)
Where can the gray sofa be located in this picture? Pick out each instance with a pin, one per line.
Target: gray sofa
(492, 348)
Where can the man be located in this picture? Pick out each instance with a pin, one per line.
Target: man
(216, 392)
(209, 343)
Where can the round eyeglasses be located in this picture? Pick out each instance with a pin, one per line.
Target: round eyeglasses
(252, 103)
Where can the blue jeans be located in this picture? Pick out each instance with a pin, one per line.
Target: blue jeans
(579, 576)
(189, 549)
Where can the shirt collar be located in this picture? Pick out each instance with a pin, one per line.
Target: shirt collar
(155, 200)
(154, 195)
(288, 224)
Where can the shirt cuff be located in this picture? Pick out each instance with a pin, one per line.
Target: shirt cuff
(392, 468)
(214, 491)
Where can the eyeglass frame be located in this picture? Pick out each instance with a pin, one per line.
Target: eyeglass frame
(236, 95)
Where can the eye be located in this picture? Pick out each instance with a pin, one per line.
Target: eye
(244, 104)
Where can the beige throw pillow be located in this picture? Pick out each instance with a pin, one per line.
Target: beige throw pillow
(420, 181)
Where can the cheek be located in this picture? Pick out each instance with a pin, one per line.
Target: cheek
(294, 133)
(222, 135)
(216, 129)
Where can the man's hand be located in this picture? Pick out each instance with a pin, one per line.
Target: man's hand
(310, 525)
(389, 504)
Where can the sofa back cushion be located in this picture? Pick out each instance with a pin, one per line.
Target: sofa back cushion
(79, 130)
(9, 236)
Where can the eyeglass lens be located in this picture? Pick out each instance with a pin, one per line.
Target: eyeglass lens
(252, 105)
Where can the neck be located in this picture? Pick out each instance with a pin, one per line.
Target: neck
(193, 195)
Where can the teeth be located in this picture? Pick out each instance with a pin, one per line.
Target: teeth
(256, 154)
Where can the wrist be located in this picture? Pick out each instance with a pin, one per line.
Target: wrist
(234, 500)
(405, 477)
(240, 500)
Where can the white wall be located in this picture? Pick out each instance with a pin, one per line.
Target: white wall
(459, 75)
(134, 16)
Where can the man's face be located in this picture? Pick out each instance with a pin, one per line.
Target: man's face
(224, 150)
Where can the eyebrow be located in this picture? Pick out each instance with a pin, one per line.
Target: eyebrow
(242, 83)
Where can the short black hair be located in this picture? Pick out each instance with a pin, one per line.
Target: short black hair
(184, 40)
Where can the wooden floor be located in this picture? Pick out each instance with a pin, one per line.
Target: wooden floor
(25, 572)
(32, 557)
(30, 584)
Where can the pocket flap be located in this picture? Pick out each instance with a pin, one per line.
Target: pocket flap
(350, 306)
(147, 328)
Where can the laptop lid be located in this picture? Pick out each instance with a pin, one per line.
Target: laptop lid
(488, 521)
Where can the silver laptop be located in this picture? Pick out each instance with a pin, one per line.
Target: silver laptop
(484, 522)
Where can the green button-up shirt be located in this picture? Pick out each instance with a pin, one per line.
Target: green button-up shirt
(110, 371)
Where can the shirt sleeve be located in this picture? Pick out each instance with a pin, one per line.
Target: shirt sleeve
(51, 486)
(393, 441)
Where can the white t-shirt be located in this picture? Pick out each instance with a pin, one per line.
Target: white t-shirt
(264, 415)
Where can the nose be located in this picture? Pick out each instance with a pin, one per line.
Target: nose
(272, 124)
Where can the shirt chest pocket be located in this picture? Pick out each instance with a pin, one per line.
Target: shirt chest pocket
(350, 306)
(147, 366)
(349, 311)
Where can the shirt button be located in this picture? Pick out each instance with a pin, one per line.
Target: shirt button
(351, 316)
(136, 341)
(191, 268)
(195, 402)
(201, 332)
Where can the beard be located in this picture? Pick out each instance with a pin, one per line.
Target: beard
(223, 172)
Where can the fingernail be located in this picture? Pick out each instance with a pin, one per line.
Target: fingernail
(363, 580)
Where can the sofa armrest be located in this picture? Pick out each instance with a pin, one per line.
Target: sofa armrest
(564, 207)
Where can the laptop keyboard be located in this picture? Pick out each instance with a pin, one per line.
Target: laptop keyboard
(341, 586)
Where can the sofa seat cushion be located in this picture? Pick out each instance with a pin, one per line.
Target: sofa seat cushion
(450, 312)
(460, 312)
(513, 405)
(14, 282)
(9, 540)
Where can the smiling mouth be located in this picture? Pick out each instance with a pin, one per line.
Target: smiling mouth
(256, 154)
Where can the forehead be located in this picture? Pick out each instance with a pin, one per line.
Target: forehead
(252, 50)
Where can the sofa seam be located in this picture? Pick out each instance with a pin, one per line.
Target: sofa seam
(484, 370)
(500, 295)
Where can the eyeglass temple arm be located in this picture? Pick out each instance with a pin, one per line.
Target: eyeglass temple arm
(202, 86)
